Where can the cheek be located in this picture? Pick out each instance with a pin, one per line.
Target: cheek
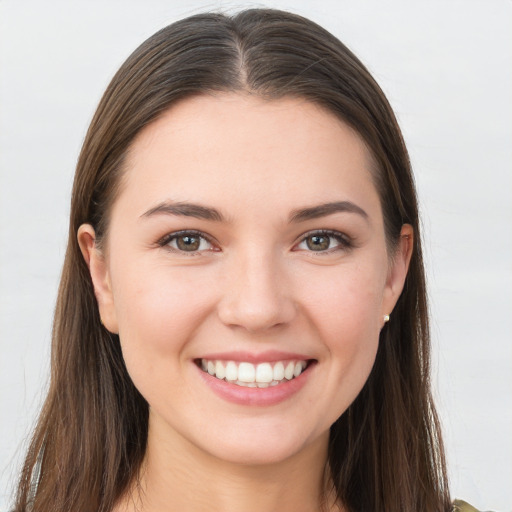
(348, 304)
(346, 314)
(158, 311)
(158, 314)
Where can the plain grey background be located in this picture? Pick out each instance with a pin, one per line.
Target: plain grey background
(446, 67)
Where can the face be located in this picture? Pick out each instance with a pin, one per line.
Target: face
(246, 272)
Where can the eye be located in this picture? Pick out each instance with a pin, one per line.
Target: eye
(186, 241)
(324, 241)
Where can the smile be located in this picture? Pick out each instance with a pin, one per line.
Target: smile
(250, 375)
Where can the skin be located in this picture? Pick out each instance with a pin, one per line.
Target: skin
(256, 285)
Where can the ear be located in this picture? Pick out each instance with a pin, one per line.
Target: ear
(98, 268)
(398, 270)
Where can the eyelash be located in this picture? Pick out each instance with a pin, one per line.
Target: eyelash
(167, 239)
(345, 243)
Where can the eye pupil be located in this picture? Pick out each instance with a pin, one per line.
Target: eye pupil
(188, 243)
(318, 242)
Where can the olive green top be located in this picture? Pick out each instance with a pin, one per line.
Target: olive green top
(462, 506)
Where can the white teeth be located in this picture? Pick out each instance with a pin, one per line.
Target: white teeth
(245, 384)
(220, 372)
(231, 371)
(278, 371)
(246, 374)
(288, 372)
(264, 373)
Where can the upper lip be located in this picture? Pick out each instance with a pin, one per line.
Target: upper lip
(267, 356)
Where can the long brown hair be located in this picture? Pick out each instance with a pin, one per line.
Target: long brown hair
(385, 451)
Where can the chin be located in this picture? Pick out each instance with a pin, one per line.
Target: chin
(260, 446)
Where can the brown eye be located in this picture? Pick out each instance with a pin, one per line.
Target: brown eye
(188, 243)
(318, 242)
(324, 242)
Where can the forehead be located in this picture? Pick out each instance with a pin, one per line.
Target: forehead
(234, 148)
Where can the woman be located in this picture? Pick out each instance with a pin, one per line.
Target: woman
(242, 320)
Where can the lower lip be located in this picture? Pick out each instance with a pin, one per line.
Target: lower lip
(262, 397)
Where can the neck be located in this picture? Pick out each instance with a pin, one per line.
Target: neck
(179, 476)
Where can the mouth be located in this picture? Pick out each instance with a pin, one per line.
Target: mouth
(261, 375)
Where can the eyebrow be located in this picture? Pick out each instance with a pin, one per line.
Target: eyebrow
(186, 210)
(207, 213)
(322, 210)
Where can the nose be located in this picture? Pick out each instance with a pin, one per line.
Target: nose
(256, 296)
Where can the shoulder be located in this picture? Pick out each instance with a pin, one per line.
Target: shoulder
(462, 506)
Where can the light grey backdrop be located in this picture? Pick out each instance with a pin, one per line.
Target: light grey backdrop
(447, 70)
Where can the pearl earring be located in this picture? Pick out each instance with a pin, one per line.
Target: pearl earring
(386, 319)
